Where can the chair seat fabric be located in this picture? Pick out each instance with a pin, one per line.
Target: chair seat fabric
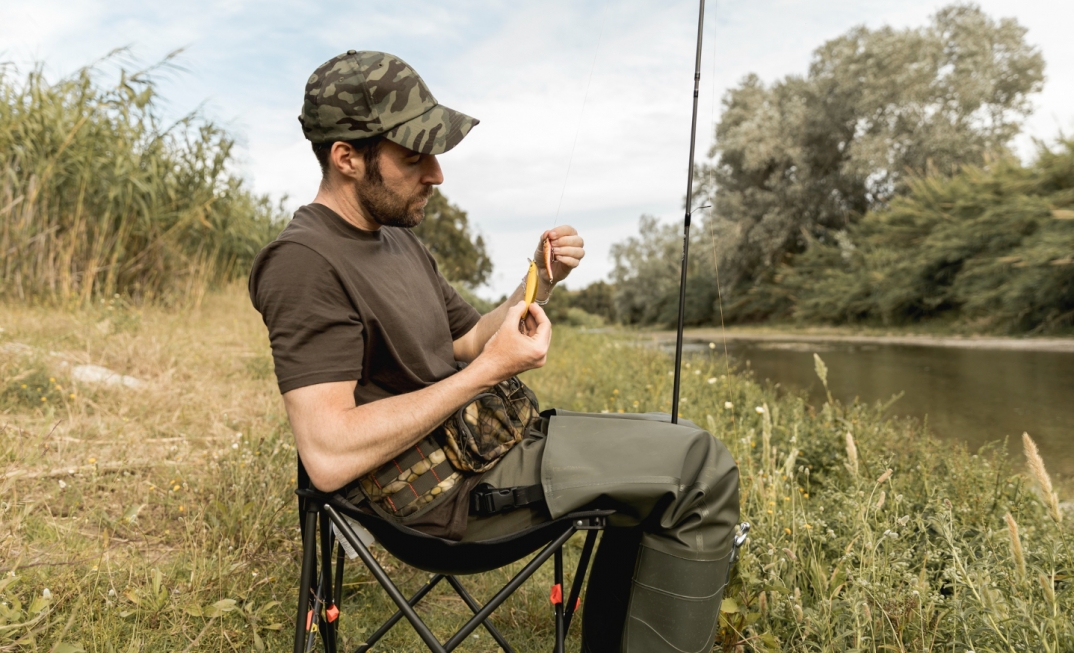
(440, 556)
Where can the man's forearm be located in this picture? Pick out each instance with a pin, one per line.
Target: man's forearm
(339, 445)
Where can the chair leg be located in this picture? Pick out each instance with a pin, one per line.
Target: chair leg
(326, 617)
(378, 572)
(387, 625)
(474, 607)
(559, 603)
(579, 579)
(309, 563)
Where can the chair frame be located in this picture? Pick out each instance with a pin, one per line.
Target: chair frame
(321, 515)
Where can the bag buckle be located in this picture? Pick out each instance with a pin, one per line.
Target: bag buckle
(488, 500)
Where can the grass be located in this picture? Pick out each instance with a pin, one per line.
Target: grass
(98, 195)
(162, 518)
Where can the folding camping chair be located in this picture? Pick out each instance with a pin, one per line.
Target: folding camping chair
(351, 530)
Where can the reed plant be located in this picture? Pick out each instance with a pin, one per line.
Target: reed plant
(100, 196)
(163, 519)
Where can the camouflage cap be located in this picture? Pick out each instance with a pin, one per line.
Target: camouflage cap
(361, 94)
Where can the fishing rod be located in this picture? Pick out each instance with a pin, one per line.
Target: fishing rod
(686, 222)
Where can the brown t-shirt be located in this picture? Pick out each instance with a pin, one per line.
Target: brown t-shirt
(345, 304)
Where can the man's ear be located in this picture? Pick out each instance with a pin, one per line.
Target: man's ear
(345, 161)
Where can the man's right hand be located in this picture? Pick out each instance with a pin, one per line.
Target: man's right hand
(510, 351)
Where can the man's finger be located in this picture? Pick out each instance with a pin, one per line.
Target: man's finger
(568, 261)
(544, 325)
(568, 241)
(571, 252)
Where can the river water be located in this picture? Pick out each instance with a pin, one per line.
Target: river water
(973, 395)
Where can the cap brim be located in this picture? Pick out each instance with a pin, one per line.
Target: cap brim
(434, 132)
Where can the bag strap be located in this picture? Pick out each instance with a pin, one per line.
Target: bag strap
(486, 500)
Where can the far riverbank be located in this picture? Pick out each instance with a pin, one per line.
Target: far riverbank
(837, 336)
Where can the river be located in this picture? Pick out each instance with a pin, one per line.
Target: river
(974, 394)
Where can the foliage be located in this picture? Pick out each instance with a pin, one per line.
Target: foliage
(98, 196)
(591, 306)
(460, 254)
(805, 157)
(647, 270)
(164, 518)
(991, 247)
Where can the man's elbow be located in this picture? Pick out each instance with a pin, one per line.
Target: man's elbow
(325, 473)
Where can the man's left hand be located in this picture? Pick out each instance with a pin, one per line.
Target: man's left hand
(567, 252)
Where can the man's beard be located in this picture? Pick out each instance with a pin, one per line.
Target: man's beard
(388, 208)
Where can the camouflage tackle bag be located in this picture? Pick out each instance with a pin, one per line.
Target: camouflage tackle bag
(469, 442)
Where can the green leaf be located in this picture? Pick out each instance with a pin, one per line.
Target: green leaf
(65, 647)
(220, 607)
(729, 605)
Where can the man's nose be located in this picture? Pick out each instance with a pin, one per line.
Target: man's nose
(431, 173)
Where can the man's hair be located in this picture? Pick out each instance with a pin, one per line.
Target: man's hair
(369, 148)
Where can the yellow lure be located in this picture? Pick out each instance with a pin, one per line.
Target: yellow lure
(531, 288)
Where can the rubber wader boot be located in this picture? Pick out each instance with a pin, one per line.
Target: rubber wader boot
(674, 604)
(607, 593)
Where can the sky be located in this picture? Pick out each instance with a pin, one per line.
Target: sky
(584, 105)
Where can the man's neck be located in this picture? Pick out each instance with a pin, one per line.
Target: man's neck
(345, 203)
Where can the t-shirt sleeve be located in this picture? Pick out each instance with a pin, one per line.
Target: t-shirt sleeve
(461, 316)
(316, 333)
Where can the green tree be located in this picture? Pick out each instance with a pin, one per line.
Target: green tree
(991, 248)
(804, 158)
(460, 254)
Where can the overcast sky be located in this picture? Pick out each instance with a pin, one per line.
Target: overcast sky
(522, 68)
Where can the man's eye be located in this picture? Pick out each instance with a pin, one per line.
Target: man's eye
(413, 159)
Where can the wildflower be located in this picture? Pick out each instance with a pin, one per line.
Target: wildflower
(46, 594)
(72, 395)
(63, 485)
(892, 534)
(23, 386)
(881, 500)
(51, 380)
(1036, 466)
(615, 391)
(883, 477)
(728, 405)
(807, 526)
(711, 380)
(790, 554)
(91, 460)
(852, 454)
(806, 495)
(1016, 546)
(176, 488)
(182, 509)
(769, 511)
(786, 498)
(787, 530)
(236, 445)
(759, 409)
(44, 398)
(901, 521)
(712, 345)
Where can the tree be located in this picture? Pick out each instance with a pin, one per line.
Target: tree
(803, 159)
(461, 255)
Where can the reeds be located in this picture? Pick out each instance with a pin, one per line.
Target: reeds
(1036, 468)
(99, 197)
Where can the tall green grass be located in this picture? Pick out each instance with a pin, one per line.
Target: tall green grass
(99, 196)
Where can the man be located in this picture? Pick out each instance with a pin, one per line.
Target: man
(367, 338)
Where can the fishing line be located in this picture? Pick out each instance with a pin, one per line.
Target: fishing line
(712, 238)
(581, 114)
